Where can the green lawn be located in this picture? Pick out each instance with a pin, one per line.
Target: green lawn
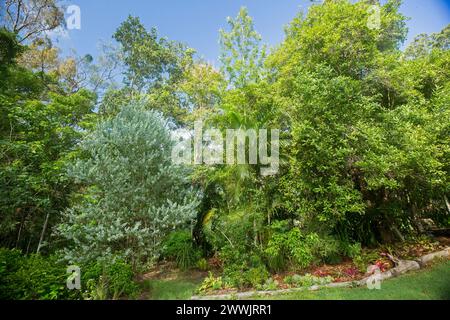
(177, 289)
(432, 283)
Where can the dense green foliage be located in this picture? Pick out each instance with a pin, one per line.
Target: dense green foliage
(364, 147)
(39, 277)
(180, 247)
(86, 175)
(39, 130)
(32, 277)
(365, 165)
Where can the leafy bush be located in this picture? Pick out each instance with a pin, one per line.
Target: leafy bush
(364, 259)
(290, 246)
(202, 264)
(108, 281)
(44, 277)
(307, 280)
(187, 256)
(351, 250)
(180, 247)
(269, 285)
(234, 265)
(211, 283)
(326, 249)
(33, 277)
(233, 227)
(256, 276)
(241, 269)
(290, 279)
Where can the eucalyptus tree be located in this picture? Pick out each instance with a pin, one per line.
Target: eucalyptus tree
(30, 19)
(242, 54)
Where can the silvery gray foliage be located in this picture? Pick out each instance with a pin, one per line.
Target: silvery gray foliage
(134, 194)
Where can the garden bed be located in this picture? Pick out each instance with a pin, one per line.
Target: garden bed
(346, 274)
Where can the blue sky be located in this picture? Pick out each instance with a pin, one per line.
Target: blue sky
(196, 22)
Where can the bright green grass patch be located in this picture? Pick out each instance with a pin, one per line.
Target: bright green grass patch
(177, 289)
(432, 283)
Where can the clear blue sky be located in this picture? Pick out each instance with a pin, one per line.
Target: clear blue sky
(196, 22)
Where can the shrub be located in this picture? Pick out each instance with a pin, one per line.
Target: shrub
(269, 285)
(44, 277)
(33, 277)
(307, 280)
(351, 250)
(211, 283)
(290, 246)
(180, 247)
(326, 249)
(202, 264)
(108, 281)
(241, 269)
(234, 265)
(364, 259)
(187, 256)
(256, 276)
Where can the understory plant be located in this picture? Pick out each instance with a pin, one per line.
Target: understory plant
(290, 247)
(307, 280)
(211, 283)
(33, 277)
(108, 280)
(180, 247)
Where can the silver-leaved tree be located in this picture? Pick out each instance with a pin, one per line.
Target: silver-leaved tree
(134, 195)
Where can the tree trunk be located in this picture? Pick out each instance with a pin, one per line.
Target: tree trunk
(398, 233)
(416, 222)
(447, 203)
(28, 245)
(42, 233)
(255, 231)
(19, 234)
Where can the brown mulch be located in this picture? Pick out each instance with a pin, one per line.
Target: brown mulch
(412, 250)
(169, 271)
(347, 271)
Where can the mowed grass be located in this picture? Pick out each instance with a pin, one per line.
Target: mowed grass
(173, 289)
(432, 283)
